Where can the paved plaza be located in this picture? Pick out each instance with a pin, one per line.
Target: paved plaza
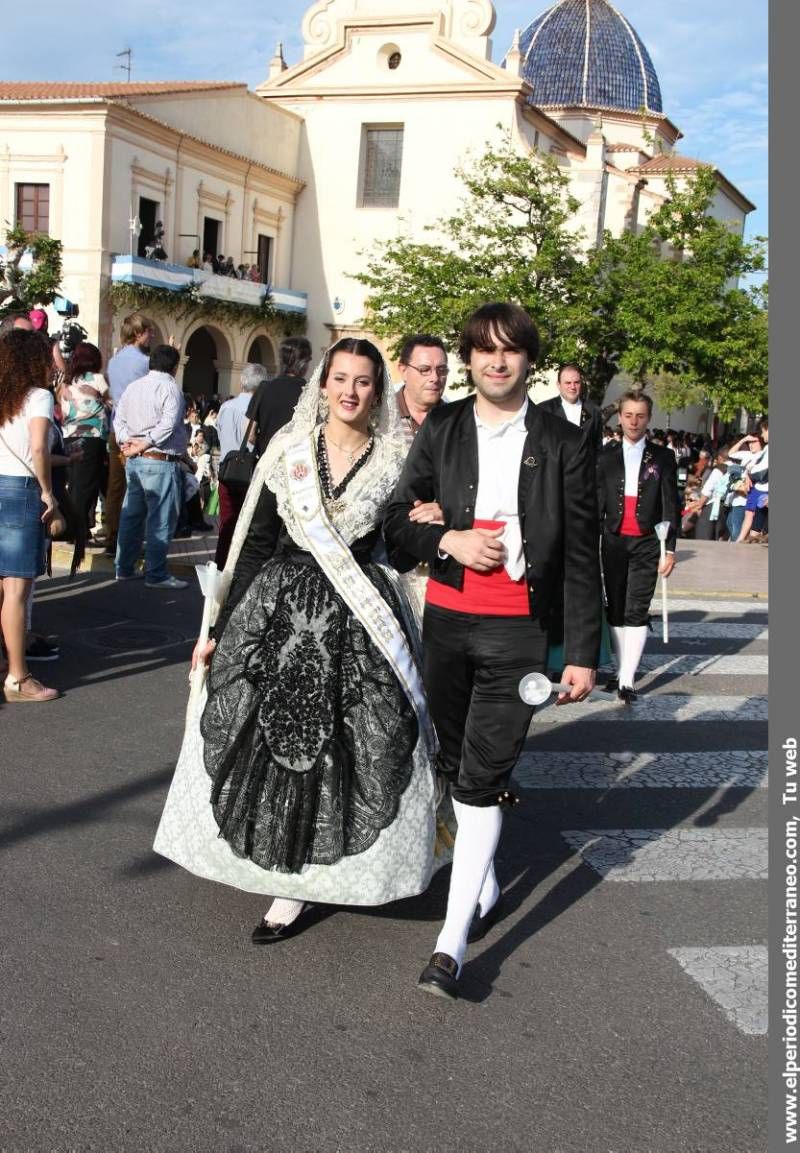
(619, 1008)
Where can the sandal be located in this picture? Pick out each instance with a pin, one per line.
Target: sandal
(27, 689)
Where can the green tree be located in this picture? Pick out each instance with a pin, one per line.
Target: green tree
(39, 284)
(510, 240)
(661, 304)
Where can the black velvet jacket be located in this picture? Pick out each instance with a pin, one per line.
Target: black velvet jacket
(557, 510)
(657, 497)
(591, 419)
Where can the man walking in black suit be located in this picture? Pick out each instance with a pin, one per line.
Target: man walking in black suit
(637, 485)
(517, 491)
(571, 405)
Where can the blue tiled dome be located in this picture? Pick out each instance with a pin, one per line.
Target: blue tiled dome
(585, 53)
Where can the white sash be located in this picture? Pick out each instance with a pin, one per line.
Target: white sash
(354, 587)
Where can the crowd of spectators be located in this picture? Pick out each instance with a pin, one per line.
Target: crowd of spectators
(224, 266)
(79, 466)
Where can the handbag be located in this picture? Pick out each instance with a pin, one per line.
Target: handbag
(237, 467)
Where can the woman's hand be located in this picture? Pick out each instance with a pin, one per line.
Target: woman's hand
(50, 506)
(202, 654)
(429, 512)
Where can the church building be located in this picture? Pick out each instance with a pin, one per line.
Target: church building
(331, 155)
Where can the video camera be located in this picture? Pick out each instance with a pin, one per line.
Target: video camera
(71, 335)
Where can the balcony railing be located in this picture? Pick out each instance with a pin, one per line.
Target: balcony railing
(175, 277)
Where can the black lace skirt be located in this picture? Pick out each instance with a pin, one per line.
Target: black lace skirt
(308, 735)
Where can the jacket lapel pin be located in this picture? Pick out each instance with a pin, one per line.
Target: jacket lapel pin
(530, 461)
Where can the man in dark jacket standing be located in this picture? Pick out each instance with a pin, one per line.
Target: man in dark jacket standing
(571, 405)
(517, 491)
(637, 486)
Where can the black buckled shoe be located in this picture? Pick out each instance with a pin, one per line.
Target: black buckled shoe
(627, 695)
(481, 925)
(440, 977)
(267, 931)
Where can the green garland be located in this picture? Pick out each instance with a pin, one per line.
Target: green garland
(187, 304)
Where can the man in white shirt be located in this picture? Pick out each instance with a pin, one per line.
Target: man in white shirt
(516, 488)
(232, 424)
(571, 405)
(131, 363)
(637, 484)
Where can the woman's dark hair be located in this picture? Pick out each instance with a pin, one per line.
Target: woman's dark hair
(86, 358)
(295, 353)
(25, 363)
(357, 348)
(506, 322)
(164, 358)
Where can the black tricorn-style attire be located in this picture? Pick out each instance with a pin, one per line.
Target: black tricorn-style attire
(637, 487)
(591, 419)
(534, 477)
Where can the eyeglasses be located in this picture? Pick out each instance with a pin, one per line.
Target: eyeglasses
(426, 370)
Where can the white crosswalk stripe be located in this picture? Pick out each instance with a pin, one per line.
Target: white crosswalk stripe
(710, 605)
(672, 854)
(581, 770)
(735, 978)
(706, 664)
(713, 630)
(655, 707)
(689, 852)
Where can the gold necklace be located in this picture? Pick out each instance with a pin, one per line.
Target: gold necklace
(351, 455)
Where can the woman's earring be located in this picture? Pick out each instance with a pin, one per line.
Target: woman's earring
(324, 406)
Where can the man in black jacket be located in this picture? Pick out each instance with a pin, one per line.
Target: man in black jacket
(516, 487)
(571, 405)
(637, 486)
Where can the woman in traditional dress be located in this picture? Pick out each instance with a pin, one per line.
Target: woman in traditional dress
(307, 767)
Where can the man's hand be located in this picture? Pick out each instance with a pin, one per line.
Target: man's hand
(133, 448)
(476, 548)
(581, 682)
(666, 566)
(173, 343)
(429, 512)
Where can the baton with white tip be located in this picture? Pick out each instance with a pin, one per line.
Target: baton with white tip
(662, 532)
(209, 577)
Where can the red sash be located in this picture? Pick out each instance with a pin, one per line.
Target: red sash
(630, 525)
(491, 594)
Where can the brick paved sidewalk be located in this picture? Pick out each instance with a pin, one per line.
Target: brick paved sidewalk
(708, 568)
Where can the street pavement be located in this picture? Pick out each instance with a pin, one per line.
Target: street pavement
(619, 1008)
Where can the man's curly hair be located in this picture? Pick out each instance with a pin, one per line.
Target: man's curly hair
(24, 364)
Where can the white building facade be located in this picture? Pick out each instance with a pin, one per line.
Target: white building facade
(360, 140)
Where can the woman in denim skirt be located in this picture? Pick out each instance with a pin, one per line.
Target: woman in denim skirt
(26, 498)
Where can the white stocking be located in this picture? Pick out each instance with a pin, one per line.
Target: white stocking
(618, 641)
(283, 911)
(635, 640)
(491, 890)
(476, 841)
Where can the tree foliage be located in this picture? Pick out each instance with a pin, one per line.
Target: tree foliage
(38, 285)
(662, 304)
(509, 240)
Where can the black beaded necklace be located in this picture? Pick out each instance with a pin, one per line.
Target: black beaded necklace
(330, 490)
